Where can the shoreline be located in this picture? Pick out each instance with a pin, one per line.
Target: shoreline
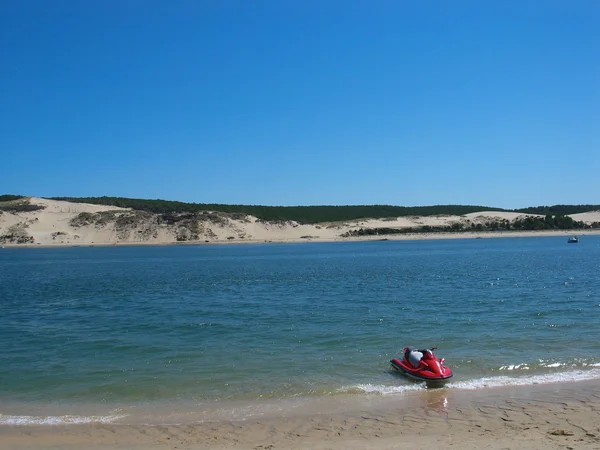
(275, 240)
(556, 415)
(65, 224)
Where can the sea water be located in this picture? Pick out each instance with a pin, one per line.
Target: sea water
(220, 331)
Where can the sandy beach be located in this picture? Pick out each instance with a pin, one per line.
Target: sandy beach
(62, 223)
(552, 416)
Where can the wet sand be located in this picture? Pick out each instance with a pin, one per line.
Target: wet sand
(551, 416)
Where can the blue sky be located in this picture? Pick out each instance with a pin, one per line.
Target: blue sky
(302, 102)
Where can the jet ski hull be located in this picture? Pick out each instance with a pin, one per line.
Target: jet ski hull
(420, 374)
(423, 365)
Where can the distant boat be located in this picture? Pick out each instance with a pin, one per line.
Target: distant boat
(573, 240)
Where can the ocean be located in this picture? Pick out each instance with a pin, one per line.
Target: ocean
(171, 334)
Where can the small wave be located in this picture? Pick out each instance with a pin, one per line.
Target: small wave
(577, 375)
(6, 419)
(553, 365)
(381, 389)
(480, 383)
(549, 364)
(522, 366)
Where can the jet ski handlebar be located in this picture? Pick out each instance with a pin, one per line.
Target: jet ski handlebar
(428, 349)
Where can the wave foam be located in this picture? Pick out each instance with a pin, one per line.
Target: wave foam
(522, 366)
(576, 375)
(480, 383)
(6, 419)
(382, 389)
(550, 364)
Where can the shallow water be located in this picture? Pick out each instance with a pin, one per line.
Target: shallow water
(181, 326)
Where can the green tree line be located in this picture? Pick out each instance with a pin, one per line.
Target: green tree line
(302, 214)
(529, 223)
(558, 210)
(17, 203)
(9, 197)
(311, 214)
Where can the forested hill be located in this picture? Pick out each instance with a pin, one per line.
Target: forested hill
(302, 214)
(311, 214)
(558, 210)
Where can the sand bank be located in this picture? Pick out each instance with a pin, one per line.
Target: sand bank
(62, 223)
(553, 416)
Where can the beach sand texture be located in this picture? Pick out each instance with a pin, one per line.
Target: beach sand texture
(60, 224)
(555, 416)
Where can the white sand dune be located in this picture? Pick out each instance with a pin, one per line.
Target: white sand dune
(66, 223)
(587, 217)
(60, 207)
(498, 215)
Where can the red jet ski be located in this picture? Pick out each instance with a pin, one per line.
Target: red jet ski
(423, 365)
